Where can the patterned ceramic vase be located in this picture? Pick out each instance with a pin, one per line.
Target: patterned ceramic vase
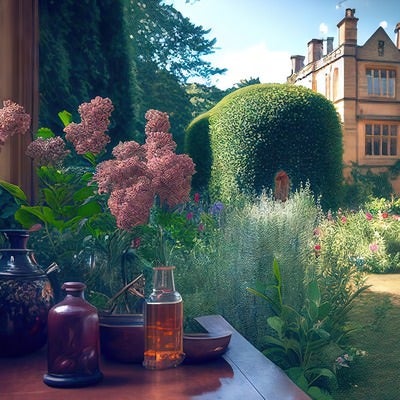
(26, 296)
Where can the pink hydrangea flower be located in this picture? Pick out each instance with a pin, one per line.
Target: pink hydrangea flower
(50, 151)
(13, 120)
(141, 173)
(157, 121)
(89, 135)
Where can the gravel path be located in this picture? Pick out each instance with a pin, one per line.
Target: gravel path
(387, 283)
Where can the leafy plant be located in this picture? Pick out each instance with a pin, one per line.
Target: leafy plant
(12, 198)
(300, 339)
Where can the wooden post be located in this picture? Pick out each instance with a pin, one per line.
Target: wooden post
(19, 67)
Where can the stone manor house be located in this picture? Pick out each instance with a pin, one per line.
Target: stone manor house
(363, 82)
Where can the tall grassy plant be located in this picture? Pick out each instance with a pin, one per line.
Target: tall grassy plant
(241, 253)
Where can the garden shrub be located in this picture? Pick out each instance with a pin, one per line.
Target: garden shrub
(365, 184)
(357, 242)
(240, 254)
(260, 129)
(199, 140)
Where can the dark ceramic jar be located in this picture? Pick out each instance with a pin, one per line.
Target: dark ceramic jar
(26, 296)
(73, 343)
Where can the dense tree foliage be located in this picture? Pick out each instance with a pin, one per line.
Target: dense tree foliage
(203, 97)
(168, 49)
(84, 53)
(138, 53)
(164, 37)
(258, 130)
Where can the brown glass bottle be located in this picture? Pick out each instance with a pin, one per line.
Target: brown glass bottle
(163, 323)
(73, 341)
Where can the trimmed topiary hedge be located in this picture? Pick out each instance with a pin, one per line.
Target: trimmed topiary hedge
(258, 130)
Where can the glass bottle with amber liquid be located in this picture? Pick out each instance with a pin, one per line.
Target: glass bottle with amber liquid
(163, 322)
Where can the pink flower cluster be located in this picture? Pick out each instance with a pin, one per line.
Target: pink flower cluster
(13, 120)
(141, 173)
(89, 135)
(50, 151)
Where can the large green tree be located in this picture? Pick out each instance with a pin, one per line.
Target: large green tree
(164, 37)
(169, 51)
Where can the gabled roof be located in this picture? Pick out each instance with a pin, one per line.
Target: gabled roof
(391, 52)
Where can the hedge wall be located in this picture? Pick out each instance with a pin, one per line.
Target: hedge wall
(251, 134)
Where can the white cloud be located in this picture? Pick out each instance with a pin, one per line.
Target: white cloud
(252, 62)
(323, 28)
(383, 24)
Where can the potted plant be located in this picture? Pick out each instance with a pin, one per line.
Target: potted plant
(93, 214)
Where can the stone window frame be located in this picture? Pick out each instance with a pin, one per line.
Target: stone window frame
(382, 139)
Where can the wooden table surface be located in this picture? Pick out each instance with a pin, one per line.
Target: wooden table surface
(242, 373)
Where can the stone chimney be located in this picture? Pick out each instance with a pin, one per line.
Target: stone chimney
(315, 50)
(297, 63)
(348, 28)
(397, 31)
(329, 44)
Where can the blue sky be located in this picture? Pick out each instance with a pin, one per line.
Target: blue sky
(256, 38)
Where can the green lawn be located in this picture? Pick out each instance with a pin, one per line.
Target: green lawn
(377, 375)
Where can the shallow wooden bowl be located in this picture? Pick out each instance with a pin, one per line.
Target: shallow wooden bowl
(200, 347)
(122, 337)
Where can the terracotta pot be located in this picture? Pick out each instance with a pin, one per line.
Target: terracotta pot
(122, 337)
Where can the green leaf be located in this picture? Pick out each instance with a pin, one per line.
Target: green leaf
(89, 209)
(277, 272)
(270, 300)
(50, 198)
(296, 374)
(26, 218)
(272, 340)
(318, 394)
(322, 372)
(83, 194)
(44, 133)
(324, 310)
(14, 190)
(314, 293)
(66, 117)
(90, 157)
(277, 324)
(313, 311)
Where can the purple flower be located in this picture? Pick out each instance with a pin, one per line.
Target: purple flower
(217, 208)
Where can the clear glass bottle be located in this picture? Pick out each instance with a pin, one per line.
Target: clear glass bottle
(163, 322)
(73, 341)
